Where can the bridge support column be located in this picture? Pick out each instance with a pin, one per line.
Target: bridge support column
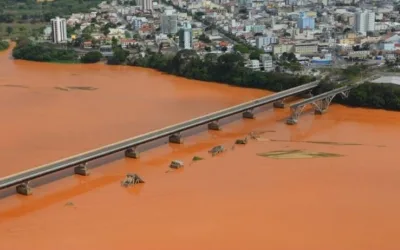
(24, 189)
(279, 104)
(296, 112)
(132, 153)
(176, 138)
(82, 170)
(214, 126)
(321, 106)
(249, 114)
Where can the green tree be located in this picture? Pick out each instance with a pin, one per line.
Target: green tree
(255, 55)
(241, 48)
(10, 30)
(91, 57)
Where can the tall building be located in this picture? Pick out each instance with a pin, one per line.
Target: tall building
(305, 22)
(59, 30)
(365, 21)
(186, 36)
(169, 23)
(147, 5)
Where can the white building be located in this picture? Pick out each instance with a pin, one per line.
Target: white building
(147, 5)
(253, 64)
(365, 21)
(266, 60)
(137, 22)
(169, 23)
(59, 30)
(186, 36)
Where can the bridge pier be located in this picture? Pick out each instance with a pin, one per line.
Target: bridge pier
(214, 126)
(176, 138)
(82, 170)
(24, 189)
(249, 114)
(279, 104)
(132, 153)
(291, 121)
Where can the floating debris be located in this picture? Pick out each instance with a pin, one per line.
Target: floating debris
(176, 164)
(241, 141)
(69, 203)
(131, 179)
(216, 150)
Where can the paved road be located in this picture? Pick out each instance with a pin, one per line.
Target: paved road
(75, 160)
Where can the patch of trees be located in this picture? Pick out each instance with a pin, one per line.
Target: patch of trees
(119, 56)
(4, 45)
(27, 50)
(227, 68)
(28, 11)
(91, 57)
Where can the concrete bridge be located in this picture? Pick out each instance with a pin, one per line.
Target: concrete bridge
(79, 161)
(321, 102)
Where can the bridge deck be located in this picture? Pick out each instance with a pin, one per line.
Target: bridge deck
(33, 173)
(322, 96)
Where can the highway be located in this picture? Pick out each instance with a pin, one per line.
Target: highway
(75, 160)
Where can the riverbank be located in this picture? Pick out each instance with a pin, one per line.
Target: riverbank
(227, 68)
(4, 45)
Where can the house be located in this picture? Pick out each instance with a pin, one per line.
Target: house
(127, 42)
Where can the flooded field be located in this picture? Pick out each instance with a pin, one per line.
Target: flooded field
(344, 199)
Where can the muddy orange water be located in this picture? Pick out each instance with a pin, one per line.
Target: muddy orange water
(236, 200)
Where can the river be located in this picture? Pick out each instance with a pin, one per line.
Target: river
(235, 200)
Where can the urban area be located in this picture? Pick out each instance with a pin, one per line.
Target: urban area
(296, 40)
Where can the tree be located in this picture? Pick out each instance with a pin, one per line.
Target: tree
(114, 42)
(128, 34)
(208, 49)
(91, 57)
(119, 56)
(10, 30)
(255, 55)
(241, 48)
(204, 38)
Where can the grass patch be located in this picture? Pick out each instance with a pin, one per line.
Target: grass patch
(82, 88)
(197, 158)
(297, 154)
(323, 142)
(14, 86)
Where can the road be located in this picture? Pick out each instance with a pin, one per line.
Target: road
(75, 160)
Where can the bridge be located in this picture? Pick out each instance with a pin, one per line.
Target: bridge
(79, 161)
(322, 101)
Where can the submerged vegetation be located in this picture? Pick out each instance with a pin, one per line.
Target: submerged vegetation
(296, 154)
(28, 50)
(4, 45)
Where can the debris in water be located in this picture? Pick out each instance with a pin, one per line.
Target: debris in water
(131, 179)
(217, 150)
(176, 164)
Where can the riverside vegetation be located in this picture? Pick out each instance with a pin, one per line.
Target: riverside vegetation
(228, 68)
(4, 45)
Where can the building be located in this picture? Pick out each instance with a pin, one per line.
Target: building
(137, 22)
(146, 5)
(265, 40)
(266, 61)
(365, 21)
(186, 36)
(282, 48)
(305, 48)
(59, 30)
(169, 23)
(253, 64)
(306, 22)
